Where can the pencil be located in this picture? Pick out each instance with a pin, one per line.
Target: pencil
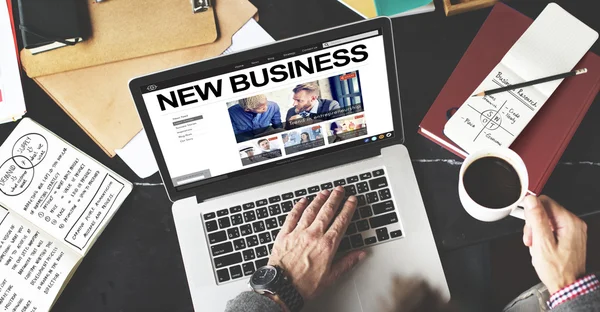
(533, 82)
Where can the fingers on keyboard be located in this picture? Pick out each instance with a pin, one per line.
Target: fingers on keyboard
(241, 237)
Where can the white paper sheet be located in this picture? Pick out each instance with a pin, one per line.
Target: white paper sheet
(137, 154)
(249, 36)
(12, 102)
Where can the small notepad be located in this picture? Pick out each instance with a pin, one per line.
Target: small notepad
(553, 44)
(55, 201)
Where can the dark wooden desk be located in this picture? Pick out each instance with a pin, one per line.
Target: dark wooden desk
(136, 264)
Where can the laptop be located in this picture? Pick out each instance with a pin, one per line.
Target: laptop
(239, 139)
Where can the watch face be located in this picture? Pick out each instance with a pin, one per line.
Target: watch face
(264, 275)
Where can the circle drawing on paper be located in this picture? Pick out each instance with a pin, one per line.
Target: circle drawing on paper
(491, 119)
(32, 146)
(15, 179)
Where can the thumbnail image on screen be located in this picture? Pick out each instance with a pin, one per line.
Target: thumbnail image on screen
(252, 152)
(302, 139)
(296, 106)
(346, 128)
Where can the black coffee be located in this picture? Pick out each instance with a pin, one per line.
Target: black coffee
(492, 182)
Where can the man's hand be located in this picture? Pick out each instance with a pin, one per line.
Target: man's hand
(414, 294)
(306, 245)
(294, 117)
(559, 257)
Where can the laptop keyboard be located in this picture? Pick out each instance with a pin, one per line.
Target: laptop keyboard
(241, 237)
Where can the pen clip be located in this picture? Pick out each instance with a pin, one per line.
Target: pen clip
(200, 5)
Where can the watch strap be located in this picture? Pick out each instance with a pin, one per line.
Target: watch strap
(290, 296)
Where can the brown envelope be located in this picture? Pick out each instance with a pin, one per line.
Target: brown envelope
(125, 29)
(98, 98)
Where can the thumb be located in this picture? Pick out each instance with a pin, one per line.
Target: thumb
(527, 235)
(537, 218)
(345, 264)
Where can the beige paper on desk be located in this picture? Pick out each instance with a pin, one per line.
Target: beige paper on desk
(123, 30)
(98, 99)
(137, 154)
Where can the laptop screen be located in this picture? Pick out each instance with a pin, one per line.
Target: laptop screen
(264, 112)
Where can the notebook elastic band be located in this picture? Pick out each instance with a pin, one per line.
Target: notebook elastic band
(48, 37)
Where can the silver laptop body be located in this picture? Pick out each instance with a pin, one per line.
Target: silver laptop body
(227, 222)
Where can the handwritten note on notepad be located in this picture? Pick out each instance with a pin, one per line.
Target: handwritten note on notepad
(553, 44)
(54, 203)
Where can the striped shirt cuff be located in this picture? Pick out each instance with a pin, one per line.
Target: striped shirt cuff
(580, 287)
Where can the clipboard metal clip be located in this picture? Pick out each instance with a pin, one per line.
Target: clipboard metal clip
(200, 5)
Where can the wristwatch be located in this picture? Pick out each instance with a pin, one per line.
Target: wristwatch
(272, 280)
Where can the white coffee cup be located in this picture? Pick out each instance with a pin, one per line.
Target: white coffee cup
(482, 213)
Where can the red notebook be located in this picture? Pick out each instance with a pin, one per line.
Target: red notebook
(545, 138)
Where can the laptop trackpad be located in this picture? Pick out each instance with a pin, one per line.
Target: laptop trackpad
(343, 296)
(368, 285)
(360, 288)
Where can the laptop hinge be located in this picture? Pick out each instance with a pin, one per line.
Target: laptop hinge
(353, 154)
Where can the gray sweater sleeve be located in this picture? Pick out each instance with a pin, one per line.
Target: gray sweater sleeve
(589, 303)
(250, 301)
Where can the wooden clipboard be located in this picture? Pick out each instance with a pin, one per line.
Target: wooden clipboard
(98, 99)
(125, 29)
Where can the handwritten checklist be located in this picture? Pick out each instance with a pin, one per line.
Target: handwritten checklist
(54, 203)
